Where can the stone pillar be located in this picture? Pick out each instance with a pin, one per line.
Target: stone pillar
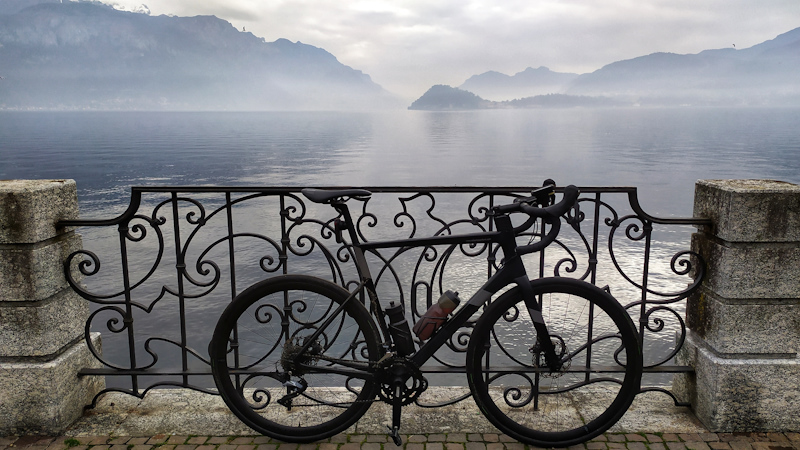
(42, 320)
(744, 321)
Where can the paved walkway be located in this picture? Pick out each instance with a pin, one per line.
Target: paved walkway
(449, 441)
(181, 419)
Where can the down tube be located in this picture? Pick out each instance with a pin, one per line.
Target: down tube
(505, 276)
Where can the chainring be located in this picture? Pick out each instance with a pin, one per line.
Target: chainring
(400, 372)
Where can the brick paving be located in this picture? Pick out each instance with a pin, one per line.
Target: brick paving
(439, 441)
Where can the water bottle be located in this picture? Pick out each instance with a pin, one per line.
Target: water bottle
(399, 329)
(436, 315)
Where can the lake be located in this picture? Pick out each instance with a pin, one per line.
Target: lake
(660, 151)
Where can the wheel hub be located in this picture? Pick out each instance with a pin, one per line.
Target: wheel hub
(539, 359)
(292, 360)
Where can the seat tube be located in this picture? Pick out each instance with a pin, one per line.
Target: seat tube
(363, 270)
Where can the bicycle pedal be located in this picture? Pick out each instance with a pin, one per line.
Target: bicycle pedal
(394, 433)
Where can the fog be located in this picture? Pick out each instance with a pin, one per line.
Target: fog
(87, 55)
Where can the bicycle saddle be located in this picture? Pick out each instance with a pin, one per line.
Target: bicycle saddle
(326, 195)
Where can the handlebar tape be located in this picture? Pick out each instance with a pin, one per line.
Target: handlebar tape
(570, 195)
(551, 215)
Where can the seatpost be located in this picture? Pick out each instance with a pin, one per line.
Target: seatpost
(361, 261)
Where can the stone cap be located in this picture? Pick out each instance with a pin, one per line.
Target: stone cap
(750, 210)
(29, 209)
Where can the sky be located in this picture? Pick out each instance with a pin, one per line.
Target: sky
(407, 46)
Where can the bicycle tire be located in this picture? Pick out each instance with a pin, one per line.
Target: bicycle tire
(520, 396)
(269, 321)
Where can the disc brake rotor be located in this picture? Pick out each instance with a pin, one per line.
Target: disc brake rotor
(539, 360)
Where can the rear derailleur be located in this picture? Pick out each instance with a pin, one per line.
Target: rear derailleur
(293, 360)
(293, 389)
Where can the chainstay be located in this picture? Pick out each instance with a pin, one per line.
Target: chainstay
(375, 366)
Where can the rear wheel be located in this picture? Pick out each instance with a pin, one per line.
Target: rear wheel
(596, 382)
(274, 386)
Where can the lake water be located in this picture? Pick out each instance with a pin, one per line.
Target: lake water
(663, 152)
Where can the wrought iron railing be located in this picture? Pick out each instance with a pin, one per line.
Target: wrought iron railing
(178, 255)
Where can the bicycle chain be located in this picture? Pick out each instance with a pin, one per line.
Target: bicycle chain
(384, 391)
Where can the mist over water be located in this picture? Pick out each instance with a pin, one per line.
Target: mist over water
(662, 152)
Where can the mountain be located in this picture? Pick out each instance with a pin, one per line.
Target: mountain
(764, 74)
(15, 6)
(77, 55)
(528, 83)
(442, 97)
(446, 98)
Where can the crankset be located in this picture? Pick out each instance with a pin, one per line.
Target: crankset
(401, 383)
(400, 380)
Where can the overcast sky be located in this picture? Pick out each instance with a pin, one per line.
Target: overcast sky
(409, 45)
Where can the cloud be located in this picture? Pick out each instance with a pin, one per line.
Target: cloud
(408, 45)
(228, 10)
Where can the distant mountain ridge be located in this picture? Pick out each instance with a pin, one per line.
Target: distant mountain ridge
(528, 83)
(15, 6)
(445, 98)
(83, 54)
(764, 74)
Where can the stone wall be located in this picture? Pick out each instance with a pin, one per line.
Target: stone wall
(744, 322)
(42, 320)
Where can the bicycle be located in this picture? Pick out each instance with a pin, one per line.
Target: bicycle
(565, 379)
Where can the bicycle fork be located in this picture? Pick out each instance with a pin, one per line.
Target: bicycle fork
(544, 340)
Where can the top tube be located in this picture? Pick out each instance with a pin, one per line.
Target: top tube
(548, 213)
(468, 238)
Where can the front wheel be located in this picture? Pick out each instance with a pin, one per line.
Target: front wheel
(595, 383)
(292, 364)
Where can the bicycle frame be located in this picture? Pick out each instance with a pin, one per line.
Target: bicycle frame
(512, 271)
(386, 365)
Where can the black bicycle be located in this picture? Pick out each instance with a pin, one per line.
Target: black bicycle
(550, 362)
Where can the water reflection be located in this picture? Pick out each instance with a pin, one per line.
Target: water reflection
(181, 281)
(661, 151)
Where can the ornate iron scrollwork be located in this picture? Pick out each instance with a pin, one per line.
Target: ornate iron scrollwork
(184, 251)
